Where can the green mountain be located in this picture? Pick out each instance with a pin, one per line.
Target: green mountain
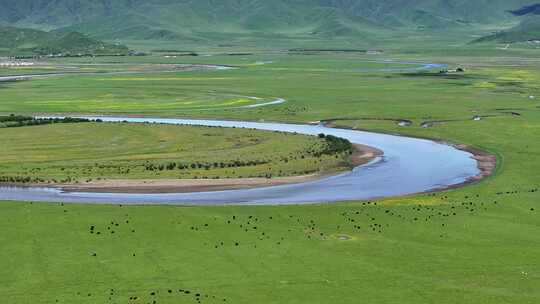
(15, 38)
(199, 20)
(35, 42)
(533, 9)
(528, 29)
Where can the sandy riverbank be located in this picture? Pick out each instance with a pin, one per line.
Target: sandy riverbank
(487, 163)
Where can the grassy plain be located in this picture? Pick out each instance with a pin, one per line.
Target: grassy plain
(98, 151)
(477, 244)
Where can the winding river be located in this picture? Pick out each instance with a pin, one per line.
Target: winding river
(409, 165)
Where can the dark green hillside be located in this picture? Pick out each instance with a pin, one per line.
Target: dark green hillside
(13, 38)
(533, 9)
(528, 30)
(16, 41)
(195, 20)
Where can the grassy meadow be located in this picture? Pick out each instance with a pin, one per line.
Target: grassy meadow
(83, 152)
(477, 244)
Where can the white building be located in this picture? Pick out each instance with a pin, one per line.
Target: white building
(5, 63)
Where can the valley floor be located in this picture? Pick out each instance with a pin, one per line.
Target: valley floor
(476, 244)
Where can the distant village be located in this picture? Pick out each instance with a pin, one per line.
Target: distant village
(6, 62)
(26, 61)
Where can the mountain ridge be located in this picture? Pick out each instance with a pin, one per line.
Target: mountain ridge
(197, 20)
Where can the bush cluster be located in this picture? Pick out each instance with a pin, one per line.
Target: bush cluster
(13, 121)
(198, 165)
(335, 145)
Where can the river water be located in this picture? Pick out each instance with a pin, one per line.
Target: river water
(408, 166)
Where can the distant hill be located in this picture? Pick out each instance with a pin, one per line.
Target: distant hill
(528, 29)
(533, 9)
(15, 41)
(15, 38)
(200, 20)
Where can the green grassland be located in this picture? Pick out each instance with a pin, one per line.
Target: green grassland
(69, 153)
(477, 244)
(485, 253)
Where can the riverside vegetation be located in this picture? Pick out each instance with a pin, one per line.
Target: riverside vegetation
(74, 150)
